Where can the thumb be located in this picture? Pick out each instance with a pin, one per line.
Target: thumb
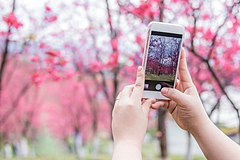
(146, 106)
(175, 95)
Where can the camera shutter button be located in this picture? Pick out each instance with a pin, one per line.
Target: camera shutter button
(158, 87)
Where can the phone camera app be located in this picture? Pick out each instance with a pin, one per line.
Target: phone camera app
(162, 60)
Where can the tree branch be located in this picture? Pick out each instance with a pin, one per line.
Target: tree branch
(5, 52)
(15, 103)
(206, 61)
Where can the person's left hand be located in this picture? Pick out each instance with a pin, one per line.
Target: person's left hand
(130, 113)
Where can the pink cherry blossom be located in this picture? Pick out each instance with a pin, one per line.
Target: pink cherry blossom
(113, 60)
(47, 8)
(56, 76)
(49, 69)
(139, 39)
(12, 20)
(50, 60)
(42, 45)
(61, 61)
(2, 33)
(69, 73)
(206, 16)
(51, 18)
(38, 77)
(159, 134)
(114, 43)
(53, 53)
(35, 58)
(96, 66)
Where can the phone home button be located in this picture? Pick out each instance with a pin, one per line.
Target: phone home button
(158, 87)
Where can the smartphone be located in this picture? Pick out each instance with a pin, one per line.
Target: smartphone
(161, 57)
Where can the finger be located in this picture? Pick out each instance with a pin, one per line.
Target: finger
(138, 87)
(118, 96)
(172, 107)
(160, 104)
(175, 95)
(146, 106)
(122, 98)
(117, 99)
(177, 83)
(126, 93)
(184, 74)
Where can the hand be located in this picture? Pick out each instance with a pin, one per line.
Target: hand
(130, 113)
(185, 104)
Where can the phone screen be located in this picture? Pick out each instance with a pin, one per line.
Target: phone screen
(162, 60)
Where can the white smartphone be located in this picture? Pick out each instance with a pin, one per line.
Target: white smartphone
(161, 58)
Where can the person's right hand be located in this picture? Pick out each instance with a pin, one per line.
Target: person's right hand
(184, 104)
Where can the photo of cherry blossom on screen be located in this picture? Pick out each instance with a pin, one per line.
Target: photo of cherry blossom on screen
(162, 59)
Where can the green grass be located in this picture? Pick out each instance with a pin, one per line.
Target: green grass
(49, 149)
(177, 157)
(107, 157)
(160, 77)
(149, 153)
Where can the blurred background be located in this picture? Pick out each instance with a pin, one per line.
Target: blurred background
(62, 63)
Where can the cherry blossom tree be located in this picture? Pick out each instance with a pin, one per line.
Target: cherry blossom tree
(210, 40)
(92, 50)
(50, 62)
(20, 109)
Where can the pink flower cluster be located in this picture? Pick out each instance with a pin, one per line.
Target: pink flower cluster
(50, 17)
(12, 20)
(146, 9)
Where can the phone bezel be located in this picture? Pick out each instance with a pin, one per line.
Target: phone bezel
(167, 28)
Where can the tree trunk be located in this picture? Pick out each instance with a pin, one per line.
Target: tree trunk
(162, 112)
(162, 128)
(188, 154)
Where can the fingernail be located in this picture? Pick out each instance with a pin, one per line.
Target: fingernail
(139, 68)
(164, 91)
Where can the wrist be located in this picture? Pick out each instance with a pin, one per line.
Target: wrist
(202, 124)
(127, 150)
(199, 120)
(128, 143)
